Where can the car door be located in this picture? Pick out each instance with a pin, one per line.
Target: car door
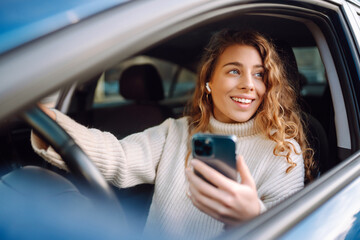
(329, 207)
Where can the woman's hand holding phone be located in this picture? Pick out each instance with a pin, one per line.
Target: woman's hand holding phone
(224, 199)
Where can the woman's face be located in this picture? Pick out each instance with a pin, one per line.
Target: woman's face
(237, 85)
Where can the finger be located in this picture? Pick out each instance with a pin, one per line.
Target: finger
(204, 208)
(216, 202)
(214, 214)
(210, 206)
(227, 188)
(213, 208)
(224, 194)
(244, 171)
(200, 185)
(213, 176)
(46, 110)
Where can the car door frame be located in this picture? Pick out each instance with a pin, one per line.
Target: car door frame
(117, 45)
(300, 213)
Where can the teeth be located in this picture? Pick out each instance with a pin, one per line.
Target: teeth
(241, 100)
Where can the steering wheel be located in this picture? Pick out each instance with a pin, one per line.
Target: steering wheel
(76, 160)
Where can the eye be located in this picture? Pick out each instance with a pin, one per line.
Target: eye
(234, 71)
(259, 74)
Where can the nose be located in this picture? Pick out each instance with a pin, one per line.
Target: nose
(247, 82)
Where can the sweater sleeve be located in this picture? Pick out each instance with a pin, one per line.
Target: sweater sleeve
(128, 162)
(262, 206)
(280, 185)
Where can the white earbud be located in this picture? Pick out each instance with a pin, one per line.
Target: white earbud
(208, 87)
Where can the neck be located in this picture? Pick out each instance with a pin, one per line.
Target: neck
(238, 129)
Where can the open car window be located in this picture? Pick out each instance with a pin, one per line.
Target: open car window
(176, 81)
(312, 69)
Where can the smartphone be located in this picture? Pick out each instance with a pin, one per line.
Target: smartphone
(217, 151)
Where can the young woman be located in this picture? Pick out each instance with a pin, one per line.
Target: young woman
(241, 90)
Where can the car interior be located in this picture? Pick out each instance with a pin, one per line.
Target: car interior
(158, 82)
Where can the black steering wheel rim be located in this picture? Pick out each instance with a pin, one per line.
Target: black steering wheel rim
(78, 163)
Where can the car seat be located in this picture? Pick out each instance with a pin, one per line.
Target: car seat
(141, 83)
(314, 130)
(141, 86)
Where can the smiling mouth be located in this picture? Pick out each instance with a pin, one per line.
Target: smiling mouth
(242, 100)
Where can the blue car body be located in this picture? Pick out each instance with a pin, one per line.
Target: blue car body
(22, 21)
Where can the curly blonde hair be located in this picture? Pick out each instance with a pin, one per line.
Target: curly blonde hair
(279, 115)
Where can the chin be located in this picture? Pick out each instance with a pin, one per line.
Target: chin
(240, 119)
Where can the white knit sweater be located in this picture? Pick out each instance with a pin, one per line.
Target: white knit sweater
(157, 156)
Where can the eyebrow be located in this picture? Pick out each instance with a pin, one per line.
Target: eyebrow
(240, 65)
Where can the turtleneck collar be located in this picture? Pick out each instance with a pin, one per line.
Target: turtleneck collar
(238, 129)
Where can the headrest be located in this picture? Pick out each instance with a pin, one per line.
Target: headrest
(141, 82)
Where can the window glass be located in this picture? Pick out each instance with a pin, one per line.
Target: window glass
(185, 83)
(50, 100)
(176, 80)
(312, 69)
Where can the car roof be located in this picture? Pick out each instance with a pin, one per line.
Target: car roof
(22, 21)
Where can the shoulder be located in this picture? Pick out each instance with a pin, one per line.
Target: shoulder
(171, 126)
(296, 154)
(174, 123)
(267, 147)
(296, 151)
(278, 166)
(182, 122)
